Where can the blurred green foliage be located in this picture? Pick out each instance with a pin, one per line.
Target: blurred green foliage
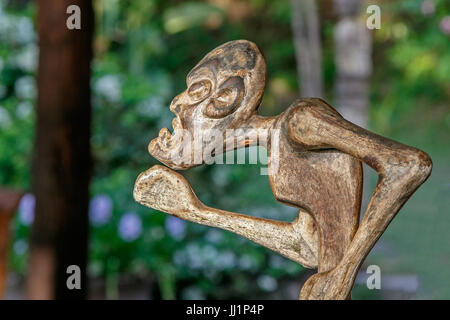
(143, 51)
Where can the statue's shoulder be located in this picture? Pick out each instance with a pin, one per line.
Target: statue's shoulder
(302, 104)
(303, 113)
(310, 104)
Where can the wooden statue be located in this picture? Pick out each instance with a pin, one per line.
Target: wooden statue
(318, 169)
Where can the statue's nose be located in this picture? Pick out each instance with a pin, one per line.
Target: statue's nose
(176, 106)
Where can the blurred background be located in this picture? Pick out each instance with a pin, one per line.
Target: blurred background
(394, 80)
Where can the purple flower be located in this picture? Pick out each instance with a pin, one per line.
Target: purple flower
(176, 227)
(427, 7)
(100, 209)
(130, 227)
(26, 209)
(445, 25)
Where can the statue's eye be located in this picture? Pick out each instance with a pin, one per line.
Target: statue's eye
(226, 100)
(226, 96)
(200, 90)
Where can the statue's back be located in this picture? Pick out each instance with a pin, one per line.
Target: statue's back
(325, 183)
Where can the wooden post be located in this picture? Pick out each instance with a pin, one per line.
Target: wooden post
(62, 161)
(308, 47)
(9, 200)
(353, 48)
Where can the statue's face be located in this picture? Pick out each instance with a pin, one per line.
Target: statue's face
(223, 92)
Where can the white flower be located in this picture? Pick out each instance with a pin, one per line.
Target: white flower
(16, 30)
(209, 254)
(24, 109)
(267, 283)
(150, 107)
(214, 236)
(110, 87)
(5, 119)
(24, 30)
(246, 263)
(276, 262)
(25, 88)
(27, 58)
(226, 260)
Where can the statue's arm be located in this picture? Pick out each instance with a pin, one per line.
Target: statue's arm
(401, 170)
(165, 190)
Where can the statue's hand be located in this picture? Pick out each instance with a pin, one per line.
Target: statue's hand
(165, 190)
(330, 285)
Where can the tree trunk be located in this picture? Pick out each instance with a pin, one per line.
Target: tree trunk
(9, 200)
(308, 47)
(353, 50)
(61, 164)
(353, 47)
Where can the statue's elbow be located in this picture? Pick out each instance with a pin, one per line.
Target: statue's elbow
(424, 165)
(420, 166)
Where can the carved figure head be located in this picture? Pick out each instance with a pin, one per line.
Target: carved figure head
(223, 91)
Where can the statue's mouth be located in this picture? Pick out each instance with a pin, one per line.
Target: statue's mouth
(168, 147)
(166, 138)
